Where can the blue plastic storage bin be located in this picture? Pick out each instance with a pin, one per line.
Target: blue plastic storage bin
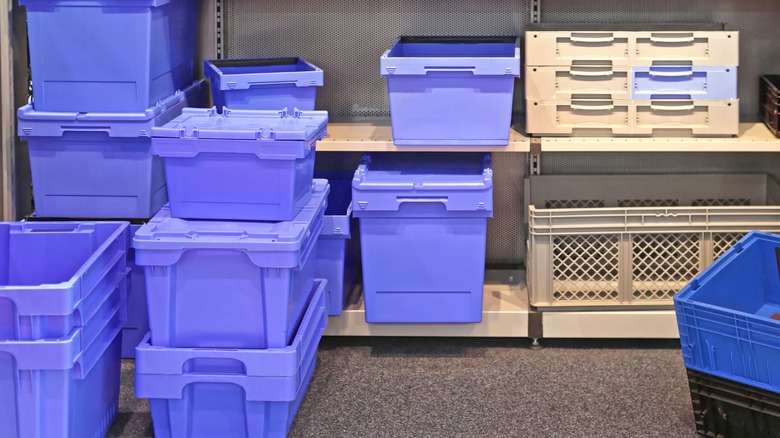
(61, 388)
(336, 249)
(229, 284)
(451, 90)
(56, 276)
(423, 226)
(114, 56)
(99, 165)
(231, 393)
(263, 84)
(239, 165)
(137, 324)
(683, 82)
(729, 315)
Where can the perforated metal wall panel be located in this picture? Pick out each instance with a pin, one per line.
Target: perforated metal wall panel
(756, 20)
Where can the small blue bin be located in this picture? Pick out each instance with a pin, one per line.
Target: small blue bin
(729, 315)
(683, 82)
(62, 387)
(213, 284)
(137, 324)
(239, 165)
(451, 90)
(263, 84)
(56, 277)
(336, 249)
(99, 165)
(115, 56)
(423, 227)
(230, 393)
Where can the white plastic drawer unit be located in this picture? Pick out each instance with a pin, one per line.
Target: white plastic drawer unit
(578, 117)
(565, 47)
(556, 83)
(699, 48)
(641, 118)
(697, 117)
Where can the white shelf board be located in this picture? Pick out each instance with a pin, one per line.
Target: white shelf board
(637, 324)
(504, 314)
(753, 137)
(375, 135)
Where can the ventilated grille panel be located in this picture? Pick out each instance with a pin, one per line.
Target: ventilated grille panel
(723, 241)
(663, 263)
(585, 268)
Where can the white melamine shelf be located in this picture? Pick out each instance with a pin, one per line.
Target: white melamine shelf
(753, 137)
(376, 136)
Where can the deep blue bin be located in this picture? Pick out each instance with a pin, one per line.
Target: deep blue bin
(336, 250)
(229, 284)
(263, 84)
(423, 226)
(451, 90)
(684, 82)
(729, 315)
(239, 165)
(231, 393)
(114, 56)
(62, 388)
(57, 276)
(99, 165)
(137, 324)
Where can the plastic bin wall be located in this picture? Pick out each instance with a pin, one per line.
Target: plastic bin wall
(99, 165)
(137, 324)
(109, 55)
(236, 393)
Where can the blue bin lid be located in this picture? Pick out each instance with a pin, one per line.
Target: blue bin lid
(171, 236)
(245, 125)
(32, 123)
(384, 182)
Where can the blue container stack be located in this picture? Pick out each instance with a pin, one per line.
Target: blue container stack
(423, 230)
(63, 295)
(93, 108)
(729, 322)
(235, 311)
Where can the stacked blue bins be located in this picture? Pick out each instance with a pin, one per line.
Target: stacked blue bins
(105, 72)
(729, 323)
(263, 84)
(451, 90)
(235, 311)
(423, 226)
(62, 306)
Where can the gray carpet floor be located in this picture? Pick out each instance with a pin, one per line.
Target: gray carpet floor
(452, 387)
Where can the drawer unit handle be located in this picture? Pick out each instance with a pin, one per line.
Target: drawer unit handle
(663, 38)
(591, 73)
(596, 38)
(671, 107)
(670, 73)
(606, 107)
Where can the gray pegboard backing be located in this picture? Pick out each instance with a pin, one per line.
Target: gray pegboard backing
(655, 163)
(756, 20)
(506, 230)
(346, 38)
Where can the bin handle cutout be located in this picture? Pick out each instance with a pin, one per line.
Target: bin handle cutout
(656, 107)
(403, 199)
(670, 73)
(574, 72)
(592, 38)
(678, 38)
(436, 68)
(606, 107)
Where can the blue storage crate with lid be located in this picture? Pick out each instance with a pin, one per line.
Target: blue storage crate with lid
(114, 56)
(729, 315)
(99, 165)
(233, 393)
(217, 284)
(137, 324)
(683, 82)
(263, 84)
(58, 276)
(241, 164)
(451, 90)
(63, 387)
(337, 249)
(423, 226)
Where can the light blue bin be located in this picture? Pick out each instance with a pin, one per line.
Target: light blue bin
(684, 82)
